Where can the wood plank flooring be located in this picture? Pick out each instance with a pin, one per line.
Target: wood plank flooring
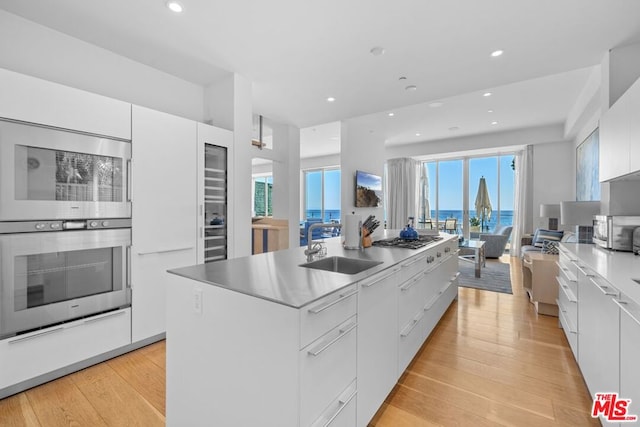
(491, 361)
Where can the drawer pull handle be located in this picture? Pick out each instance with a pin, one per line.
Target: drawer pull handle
(332, 303)
(411, 283)
(38, 335)
(412, 325)
(369, 284)
(106, 316)
(342, 404)
(604, 289)
(166, 251)
(623, 306)
(342, 333)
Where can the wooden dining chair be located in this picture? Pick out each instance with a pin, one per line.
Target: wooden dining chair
(450, 225)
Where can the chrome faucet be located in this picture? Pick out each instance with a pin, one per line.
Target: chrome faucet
(314, 249)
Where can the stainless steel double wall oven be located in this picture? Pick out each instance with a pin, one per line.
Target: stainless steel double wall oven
(65, 225)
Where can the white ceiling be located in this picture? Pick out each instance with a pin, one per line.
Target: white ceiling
(298, 53)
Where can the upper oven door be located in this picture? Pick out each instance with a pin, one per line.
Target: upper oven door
(48, 173)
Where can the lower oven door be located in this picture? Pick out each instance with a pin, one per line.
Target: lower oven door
(53, 277)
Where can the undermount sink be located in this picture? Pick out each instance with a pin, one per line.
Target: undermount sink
(339, 264)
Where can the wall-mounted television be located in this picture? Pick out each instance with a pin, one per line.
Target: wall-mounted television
(368, 190)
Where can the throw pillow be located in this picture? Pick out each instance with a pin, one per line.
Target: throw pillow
(569, 237)
(550, 247)
(542, 235)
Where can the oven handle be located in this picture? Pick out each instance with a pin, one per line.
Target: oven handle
(128, 266)
(129, 181)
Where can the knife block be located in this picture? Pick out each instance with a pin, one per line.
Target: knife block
(366, 238)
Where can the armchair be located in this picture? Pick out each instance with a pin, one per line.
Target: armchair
(496, 242)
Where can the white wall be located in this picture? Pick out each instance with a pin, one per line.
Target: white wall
(554, 178)
(360, 150)
(35, 50)
(286, 179)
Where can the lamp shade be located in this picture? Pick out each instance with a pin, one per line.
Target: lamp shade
(578, 213)
(550, 211)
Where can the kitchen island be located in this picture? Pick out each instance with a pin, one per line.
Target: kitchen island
(262, 340)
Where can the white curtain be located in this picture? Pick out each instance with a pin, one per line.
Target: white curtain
(403, 187)
(523, 215)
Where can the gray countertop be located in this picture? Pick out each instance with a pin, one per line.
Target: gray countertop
(278, 277)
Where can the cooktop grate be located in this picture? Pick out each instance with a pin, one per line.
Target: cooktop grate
(397, 242)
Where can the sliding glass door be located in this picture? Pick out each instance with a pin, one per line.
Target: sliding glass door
(453, 187)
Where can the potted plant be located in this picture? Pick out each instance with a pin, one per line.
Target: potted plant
(474, 223)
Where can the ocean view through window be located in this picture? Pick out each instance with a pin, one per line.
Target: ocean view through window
(453, 186)
(322, 194)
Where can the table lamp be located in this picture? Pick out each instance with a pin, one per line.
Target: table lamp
(580, 214)
(552, 212)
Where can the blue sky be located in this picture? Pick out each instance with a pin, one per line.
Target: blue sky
(450, 184)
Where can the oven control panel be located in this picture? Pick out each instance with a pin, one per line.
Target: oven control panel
(69, 225)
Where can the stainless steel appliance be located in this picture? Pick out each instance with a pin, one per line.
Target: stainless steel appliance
(55, 271)
(59, 174)
(615, 232)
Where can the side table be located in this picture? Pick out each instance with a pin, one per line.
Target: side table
(539, 273)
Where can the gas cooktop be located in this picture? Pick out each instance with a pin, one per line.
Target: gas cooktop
(397, 242)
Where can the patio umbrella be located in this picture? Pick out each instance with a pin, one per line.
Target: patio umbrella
(424, 194)
(483, 203)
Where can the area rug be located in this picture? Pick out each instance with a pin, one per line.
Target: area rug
(496, 277)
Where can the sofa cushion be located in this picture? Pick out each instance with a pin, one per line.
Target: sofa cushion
(550, 247)
(541, 235)
(530, 248)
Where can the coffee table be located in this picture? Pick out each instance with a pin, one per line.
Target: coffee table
(473, 250)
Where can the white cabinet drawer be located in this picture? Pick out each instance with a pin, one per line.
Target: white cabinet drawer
(411, 298)
(413, 265)
(327, 313)
(568, 303)
(411, 339)
(30, 355)
(569, 279)
(327, 367)
(341, 412)
(571, 334)
(435, 309)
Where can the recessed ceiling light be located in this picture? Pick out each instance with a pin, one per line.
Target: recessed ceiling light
(452, 128)
(489, 111)
(496, 53)
(486, 94)
(436, 104)
(331, 99)
(417, 133)
(494, 122)
(402, 78)
(377, 51)
(174, 6)
(411, 88)
(391, 114)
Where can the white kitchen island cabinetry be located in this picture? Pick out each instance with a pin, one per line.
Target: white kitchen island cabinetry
(164, 212)
(377, 340)
(263, 341)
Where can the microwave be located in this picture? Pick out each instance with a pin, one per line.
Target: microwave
(615, 231)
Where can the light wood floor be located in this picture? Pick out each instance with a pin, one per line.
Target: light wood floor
(491, 361)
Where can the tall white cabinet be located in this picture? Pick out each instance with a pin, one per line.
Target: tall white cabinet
(164, 212)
